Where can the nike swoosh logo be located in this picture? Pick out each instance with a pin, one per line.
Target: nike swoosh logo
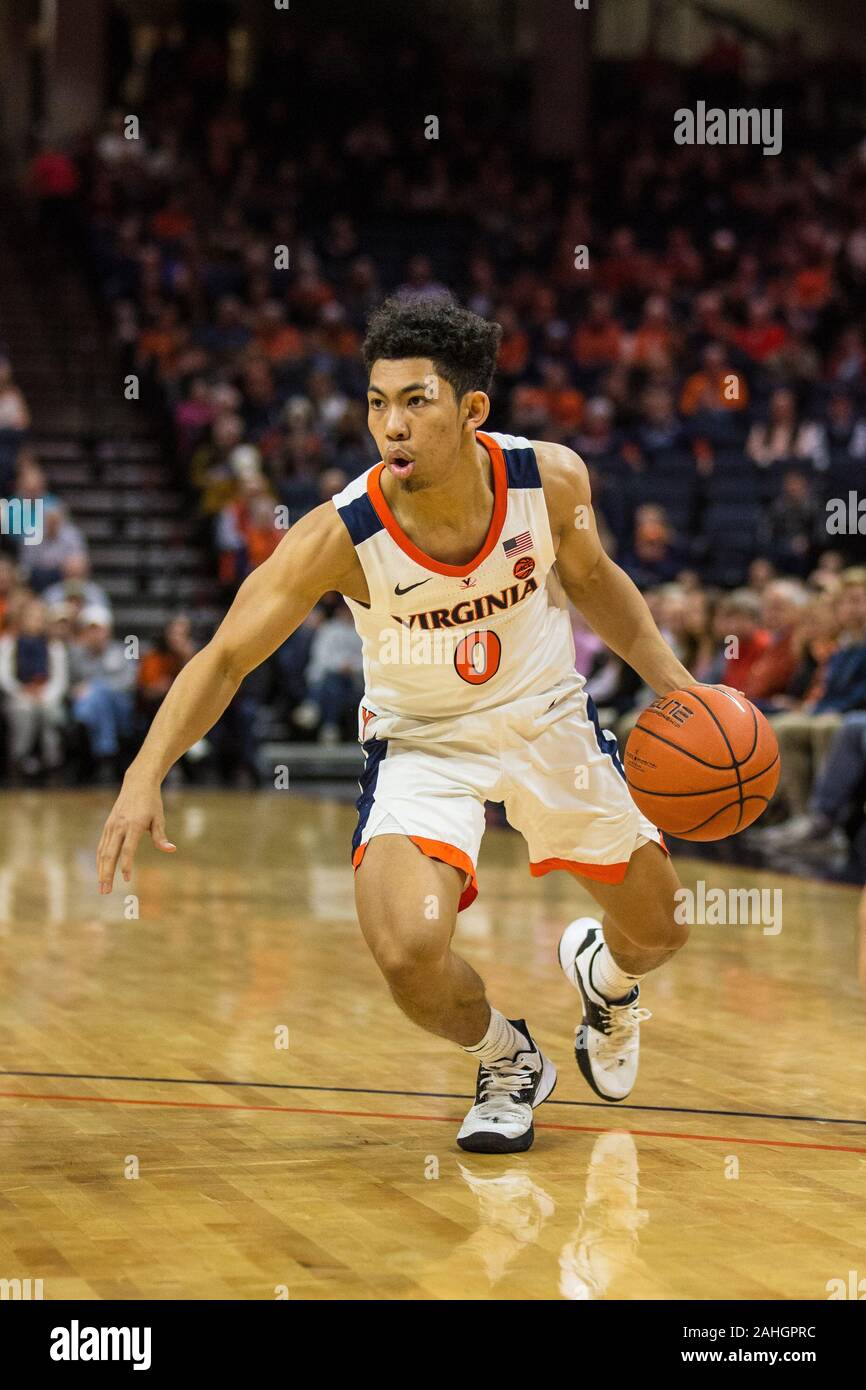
(417, 585)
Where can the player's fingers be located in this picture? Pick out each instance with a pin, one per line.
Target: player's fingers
(106, 859)
(127, 853)
(159, 837)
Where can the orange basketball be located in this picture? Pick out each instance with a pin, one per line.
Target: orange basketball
(702, 763)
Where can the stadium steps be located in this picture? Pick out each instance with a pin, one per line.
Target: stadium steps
(101, 454)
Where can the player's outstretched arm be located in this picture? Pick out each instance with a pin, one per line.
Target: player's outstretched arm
(315, 556)
(611, 603)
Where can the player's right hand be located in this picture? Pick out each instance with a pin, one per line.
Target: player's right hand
(137, 811)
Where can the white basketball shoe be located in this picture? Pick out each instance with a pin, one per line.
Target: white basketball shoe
(500, 1121)
(607, 1040)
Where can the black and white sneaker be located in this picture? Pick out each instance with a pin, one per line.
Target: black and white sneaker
(500, 1121)
(607, 1040)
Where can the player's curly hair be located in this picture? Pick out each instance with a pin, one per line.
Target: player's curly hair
(461, 345)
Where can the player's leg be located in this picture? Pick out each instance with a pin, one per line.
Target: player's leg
(641, 930)
(606, 962)
(407, 906)
(568, 797)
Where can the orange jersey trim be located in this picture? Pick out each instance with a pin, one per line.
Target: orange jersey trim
(448, 854)
(602, 873)
(497, 521)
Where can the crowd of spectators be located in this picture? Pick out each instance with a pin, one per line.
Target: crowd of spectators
(689, 319)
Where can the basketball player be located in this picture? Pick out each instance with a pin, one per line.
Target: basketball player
(455, 554)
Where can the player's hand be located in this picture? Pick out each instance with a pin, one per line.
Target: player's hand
(136, 812)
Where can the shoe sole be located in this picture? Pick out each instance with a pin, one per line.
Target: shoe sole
(487, 1141)
(581, 1055)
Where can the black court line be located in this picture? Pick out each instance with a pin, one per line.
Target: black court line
(610, 1106)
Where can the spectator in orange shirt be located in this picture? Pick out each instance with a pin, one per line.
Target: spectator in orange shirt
(716, 387)
(278, 340)
(599, 341)
(563, 401)
(160, 667)
(653, 343)
(158, 343)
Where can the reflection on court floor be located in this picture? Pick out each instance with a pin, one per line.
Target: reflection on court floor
(208, 1092)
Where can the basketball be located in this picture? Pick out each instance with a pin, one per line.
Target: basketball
(702, 763)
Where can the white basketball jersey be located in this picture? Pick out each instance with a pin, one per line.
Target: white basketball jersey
(441, 640)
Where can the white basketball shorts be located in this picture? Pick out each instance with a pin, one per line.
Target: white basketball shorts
(545, 757)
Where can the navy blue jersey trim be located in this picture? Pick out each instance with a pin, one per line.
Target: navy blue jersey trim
(374, 751)
(360, 519)
(521, 466)
(607, 745)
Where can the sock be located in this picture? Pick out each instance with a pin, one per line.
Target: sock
(611, 982)
(502, 1039)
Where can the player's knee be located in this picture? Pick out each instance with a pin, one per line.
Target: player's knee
(658, 927)
(407, 957)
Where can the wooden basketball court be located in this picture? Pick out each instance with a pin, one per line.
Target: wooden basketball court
(157, 1140)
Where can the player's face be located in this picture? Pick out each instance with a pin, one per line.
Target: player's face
(415, 419)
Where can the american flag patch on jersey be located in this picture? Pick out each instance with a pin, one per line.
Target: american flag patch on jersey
(518, 544)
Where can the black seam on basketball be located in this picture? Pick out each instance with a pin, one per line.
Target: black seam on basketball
(690, 830)
(651, 733)
(754, 715)
(736, 765)
(711, 791)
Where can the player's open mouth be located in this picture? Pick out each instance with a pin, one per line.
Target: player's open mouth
(400, 464)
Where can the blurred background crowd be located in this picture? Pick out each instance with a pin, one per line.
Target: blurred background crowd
(690, 319)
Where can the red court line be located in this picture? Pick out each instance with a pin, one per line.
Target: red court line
(444, 1119)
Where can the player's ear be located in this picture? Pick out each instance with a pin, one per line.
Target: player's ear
(477, 407)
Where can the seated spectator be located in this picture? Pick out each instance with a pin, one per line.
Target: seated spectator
(102, 680)
(597, 437)
(247, 530)
(655, 556)
(771, 673)
(598, 341)
(805, 734)
(211, 470)
(335, 678)
(763, 336)
(654, 341)
(159, 668)
(783, 435)
(420, 282)
(564, 403)
(697, 635)
(193, 415)
(761, 572)
(228, 333)
(744, 641)
(847, 365)
(716, 388)
(838, 792)
(843, 431)
(76, 587)
(794, 525)
(660, 430)
(34, 680)
(42, 564)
